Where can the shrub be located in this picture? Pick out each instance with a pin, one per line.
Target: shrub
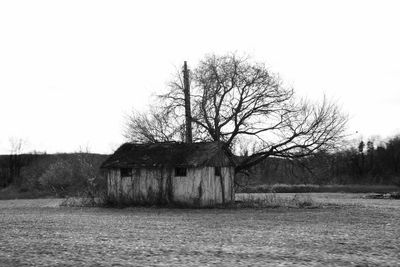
(58, 177)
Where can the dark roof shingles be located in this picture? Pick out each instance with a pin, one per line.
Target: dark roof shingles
(170, 154)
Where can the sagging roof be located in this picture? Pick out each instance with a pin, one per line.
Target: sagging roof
(170, 154)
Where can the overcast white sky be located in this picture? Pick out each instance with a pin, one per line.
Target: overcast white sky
(70, 70)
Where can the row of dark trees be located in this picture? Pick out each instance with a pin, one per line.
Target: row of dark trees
(365, 163)
(370, 163)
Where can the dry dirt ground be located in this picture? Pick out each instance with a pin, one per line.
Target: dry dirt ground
(357, 232)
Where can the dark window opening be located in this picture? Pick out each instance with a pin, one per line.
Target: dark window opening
(180, 171)
(126, 172)
(217, 171)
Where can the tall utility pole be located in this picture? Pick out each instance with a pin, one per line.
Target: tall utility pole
(188, 113)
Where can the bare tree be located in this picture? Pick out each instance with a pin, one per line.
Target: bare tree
(153, 126)
(234, 97)
(16, 147)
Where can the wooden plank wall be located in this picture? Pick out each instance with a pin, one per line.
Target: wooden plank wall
(159, 185)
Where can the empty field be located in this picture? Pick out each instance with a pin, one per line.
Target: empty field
(354, 232)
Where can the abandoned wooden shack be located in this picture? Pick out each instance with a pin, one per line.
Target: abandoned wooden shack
(191, 174)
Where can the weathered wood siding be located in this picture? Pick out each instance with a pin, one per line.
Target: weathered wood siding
(200, 187)
(113, 186)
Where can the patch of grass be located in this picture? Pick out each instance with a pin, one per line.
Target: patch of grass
(392, 195)
(79, 202)
(312, 188)
(88, 199)
(275, 201)
(249, 201)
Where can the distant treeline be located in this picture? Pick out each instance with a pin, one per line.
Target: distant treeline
(58, 174)
(67, 174)
(366, 163)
